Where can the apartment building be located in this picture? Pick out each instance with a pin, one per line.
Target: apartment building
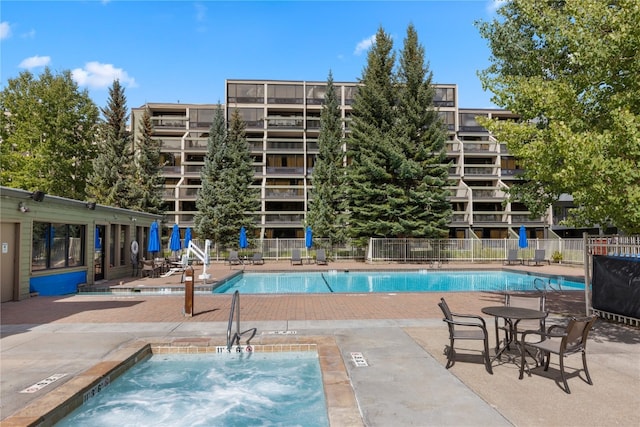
(282, 127)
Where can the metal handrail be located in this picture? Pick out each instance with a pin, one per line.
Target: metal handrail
(235, 309)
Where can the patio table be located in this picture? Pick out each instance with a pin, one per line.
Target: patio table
(511, 316)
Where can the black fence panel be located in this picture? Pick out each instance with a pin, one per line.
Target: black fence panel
(616, 285)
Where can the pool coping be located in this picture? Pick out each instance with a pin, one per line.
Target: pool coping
(342, 408)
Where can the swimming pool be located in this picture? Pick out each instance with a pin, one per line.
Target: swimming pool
(390, 281)
(228, 389)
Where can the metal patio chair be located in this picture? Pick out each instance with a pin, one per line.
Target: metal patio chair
(472, 328)
(568, 340)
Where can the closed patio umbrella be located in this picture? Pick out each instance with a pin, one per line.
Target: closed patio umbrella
(308, 238)
(174, 241)
(244, 243)
(154, 238)
(522, 238)
(187, 237)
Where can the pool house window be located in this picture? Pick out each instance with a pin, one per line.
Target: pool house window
(57, 246)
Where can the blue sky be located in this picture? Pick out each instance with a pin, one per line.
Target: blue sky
(183, 51)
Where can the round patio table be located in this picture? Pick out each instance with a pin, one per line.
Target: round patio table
(512, 315)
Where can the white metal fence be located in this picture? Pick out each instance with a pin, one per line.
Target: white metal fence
(413, 250)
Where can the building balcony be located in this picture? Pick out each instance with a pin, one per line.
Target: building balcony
(188, 193)
(200, 143)
(284, 193)
(488, 217)
(284, 219)
(168, 144)
(284, 122)
(272, 170)
(481, 171)
(488, 193)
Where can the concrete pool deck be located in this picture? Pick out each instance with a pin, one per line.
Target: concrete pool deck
(401, 337)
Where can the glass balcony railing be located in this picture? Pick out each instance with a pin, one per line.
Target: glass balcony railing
(284, 193)
(284, 219)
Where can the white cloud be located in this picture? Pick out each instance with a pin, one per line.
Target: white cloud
(5, 30)
(29, 34)
(97, 75)
(201, 12)
(364, 45)
(494, 5)
(35, 61)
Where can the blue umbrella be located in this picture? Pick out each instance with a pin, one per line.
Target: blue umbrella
(174, 241)
(243, 238)
(308, 238)
(154, 238)
(187, 237)
(98, 243)
(522, 240)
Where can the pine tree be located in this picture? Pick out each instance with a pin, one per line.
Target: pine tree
(328, 171)
(243, 199)
(371, 152)
(148, 171)
(112, 181)
(225, 198)
(424, 210)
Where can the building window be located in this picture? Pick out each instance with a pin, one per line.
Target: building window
(57, 246)
(444, 97)
(241, 93)
(285, 94)
(124, 231)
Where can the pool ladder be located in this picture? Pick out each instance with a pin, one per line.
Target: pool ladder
(235, 310)
(543, 286)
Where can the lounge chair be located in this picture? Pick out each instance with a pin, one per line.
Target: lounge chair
(257, 259)
(234, 259)
(177, 266)
(568, 340)
(534, 301)
(512, 256)
(460, 330)
(538, 258)
(296, 257)
(321, 257)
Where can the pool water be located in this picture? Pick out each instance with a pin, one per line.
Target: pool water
(383, 281)
(229, 389)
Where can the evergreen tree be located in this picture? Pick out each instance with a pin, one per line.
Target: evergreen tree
(47, 127)
(328, 171)
(148, 171)
(371, 153)
(225, 198)
(113, 180)
(424, 209)
(243, 199)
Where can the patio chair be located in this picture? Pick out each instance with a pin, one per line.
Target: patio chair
(234, 259)
(512, 256)
(538, 258)
(296, 257)
(149, 268)
(534, 301)
(321, 257)
(456, 332)
(257, 259)
(569, 340)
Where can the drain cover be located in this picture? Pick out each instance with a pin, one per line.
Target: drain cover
(359, 360)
